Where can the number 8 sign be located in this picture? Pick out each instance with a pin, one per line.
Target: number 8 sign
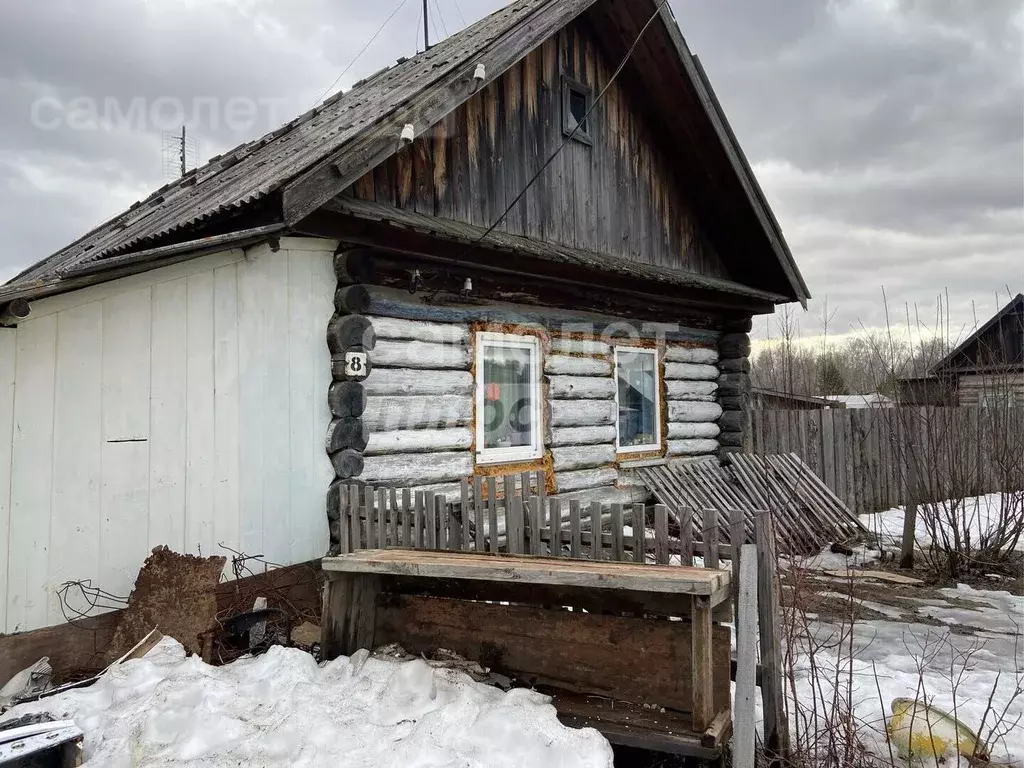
(355, 365)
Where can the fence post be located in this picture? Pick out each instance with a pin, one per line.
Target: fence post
(746, 656)
(661, 534)
(909, 516)
(776, 728)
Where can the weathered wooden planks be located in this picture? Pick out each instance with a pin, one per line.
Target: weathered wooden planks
(610, 655)
(861, 455)
(581, 573)
(518, 117)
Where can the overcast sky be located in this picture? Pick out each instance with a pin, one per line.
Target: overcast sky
(887, 134)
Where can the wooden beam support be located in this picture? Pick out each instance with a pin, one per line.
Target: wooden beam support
(349, 617)
(701, 664)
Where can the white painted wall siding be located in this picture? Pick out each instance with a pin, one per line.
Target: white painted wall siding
(186, 406)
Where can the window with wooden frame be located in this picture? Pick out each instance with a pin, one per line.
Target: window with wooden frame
(508, 398)
(637, 399)
(576, 102)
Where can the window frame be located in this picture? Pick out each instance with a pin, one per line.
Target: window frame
(656, 445)
(570, 84)
(519, 453)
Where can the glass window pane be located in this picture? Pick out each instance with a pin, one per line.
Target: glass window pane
(508, 410)
(577, 109)
(637, 378)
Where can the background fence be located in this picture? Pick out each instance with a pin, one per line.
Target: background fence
(869, 457)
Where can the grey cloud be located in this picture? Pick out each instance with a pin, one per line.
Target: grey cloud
(887, 133)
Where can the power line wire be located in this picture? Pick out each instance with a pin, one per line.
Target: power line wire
(361, 52)
(444, 26)
(437, 32)
(461, 17)
(569, 137)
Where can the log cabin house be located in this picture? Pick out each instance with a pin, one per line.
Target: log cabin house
(986, 369)
(165, 379)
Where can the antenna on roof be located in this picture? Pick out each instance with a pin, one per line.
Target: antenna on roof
(426, 27)
(180, 154)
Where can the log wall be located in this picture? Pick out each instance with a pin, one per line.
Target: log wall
(410, 421)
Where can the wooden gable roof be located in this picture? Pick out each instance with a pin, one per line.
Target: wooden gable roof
(271, 184)
(996, 345)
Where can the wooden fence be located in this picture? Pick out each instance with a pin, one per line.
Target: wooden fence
(869, 457)
(529, 523)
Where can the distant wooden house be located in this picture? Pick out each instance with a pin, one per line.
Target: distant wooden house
(165, 379)
(986, 370)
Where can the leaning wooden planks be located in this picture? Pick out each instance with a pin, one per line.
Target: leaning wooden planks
(808, 516)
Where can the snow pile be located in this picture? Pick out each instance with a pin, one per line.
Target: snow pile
(982, 513)
(282, 709)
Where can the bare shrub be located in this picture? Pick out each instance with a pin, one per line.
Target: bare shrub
(839, 695)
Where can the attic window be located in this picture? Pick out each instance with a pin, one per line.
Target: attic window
(576, 102)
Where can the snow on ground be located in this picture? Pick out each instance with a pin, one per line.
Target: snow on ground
(982, 513)
(956, 673)
(977, 656)
(281, 709)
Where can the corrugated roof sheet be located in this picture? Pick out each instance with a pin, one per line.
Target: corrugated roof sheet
(257, 168)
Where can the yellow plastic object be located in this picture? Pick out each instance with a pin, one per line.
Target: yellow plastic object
(920, 731)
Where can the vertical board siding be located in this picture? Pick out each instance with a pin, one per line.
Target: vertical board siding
(31, 474)
(8, 365)
(619, 196)
(189, 411)
(226, 494)
(77, 464)
(124, 442)
(168, 449)
(199, 414)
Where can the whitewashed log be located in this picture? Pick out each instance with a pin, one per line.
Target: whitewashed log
(608, 494)
(700, 355)
(384, 414)
(579, 346)
(682, 410)
(581, 457)
(451, 491)
(418, 441)
(419, 330)
(688, 371)
(687, 390)
(417, 468)
(688, 430)
(582, 413)
(412, 381)
(585, 478)
(419, 354)
(691, 447)
(576, 366)
(582, 435)
(582, 388)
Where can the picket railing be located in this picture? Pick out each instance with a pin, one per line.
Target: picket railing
(496, 514)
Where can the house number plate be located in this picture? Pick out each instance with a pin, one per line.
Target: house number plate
(355, 365)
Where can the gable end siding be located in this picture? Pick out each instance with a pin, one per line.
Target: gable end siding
(618, 196)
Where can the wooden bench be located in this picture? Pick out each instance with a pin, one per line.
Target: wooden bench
(641, 656)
